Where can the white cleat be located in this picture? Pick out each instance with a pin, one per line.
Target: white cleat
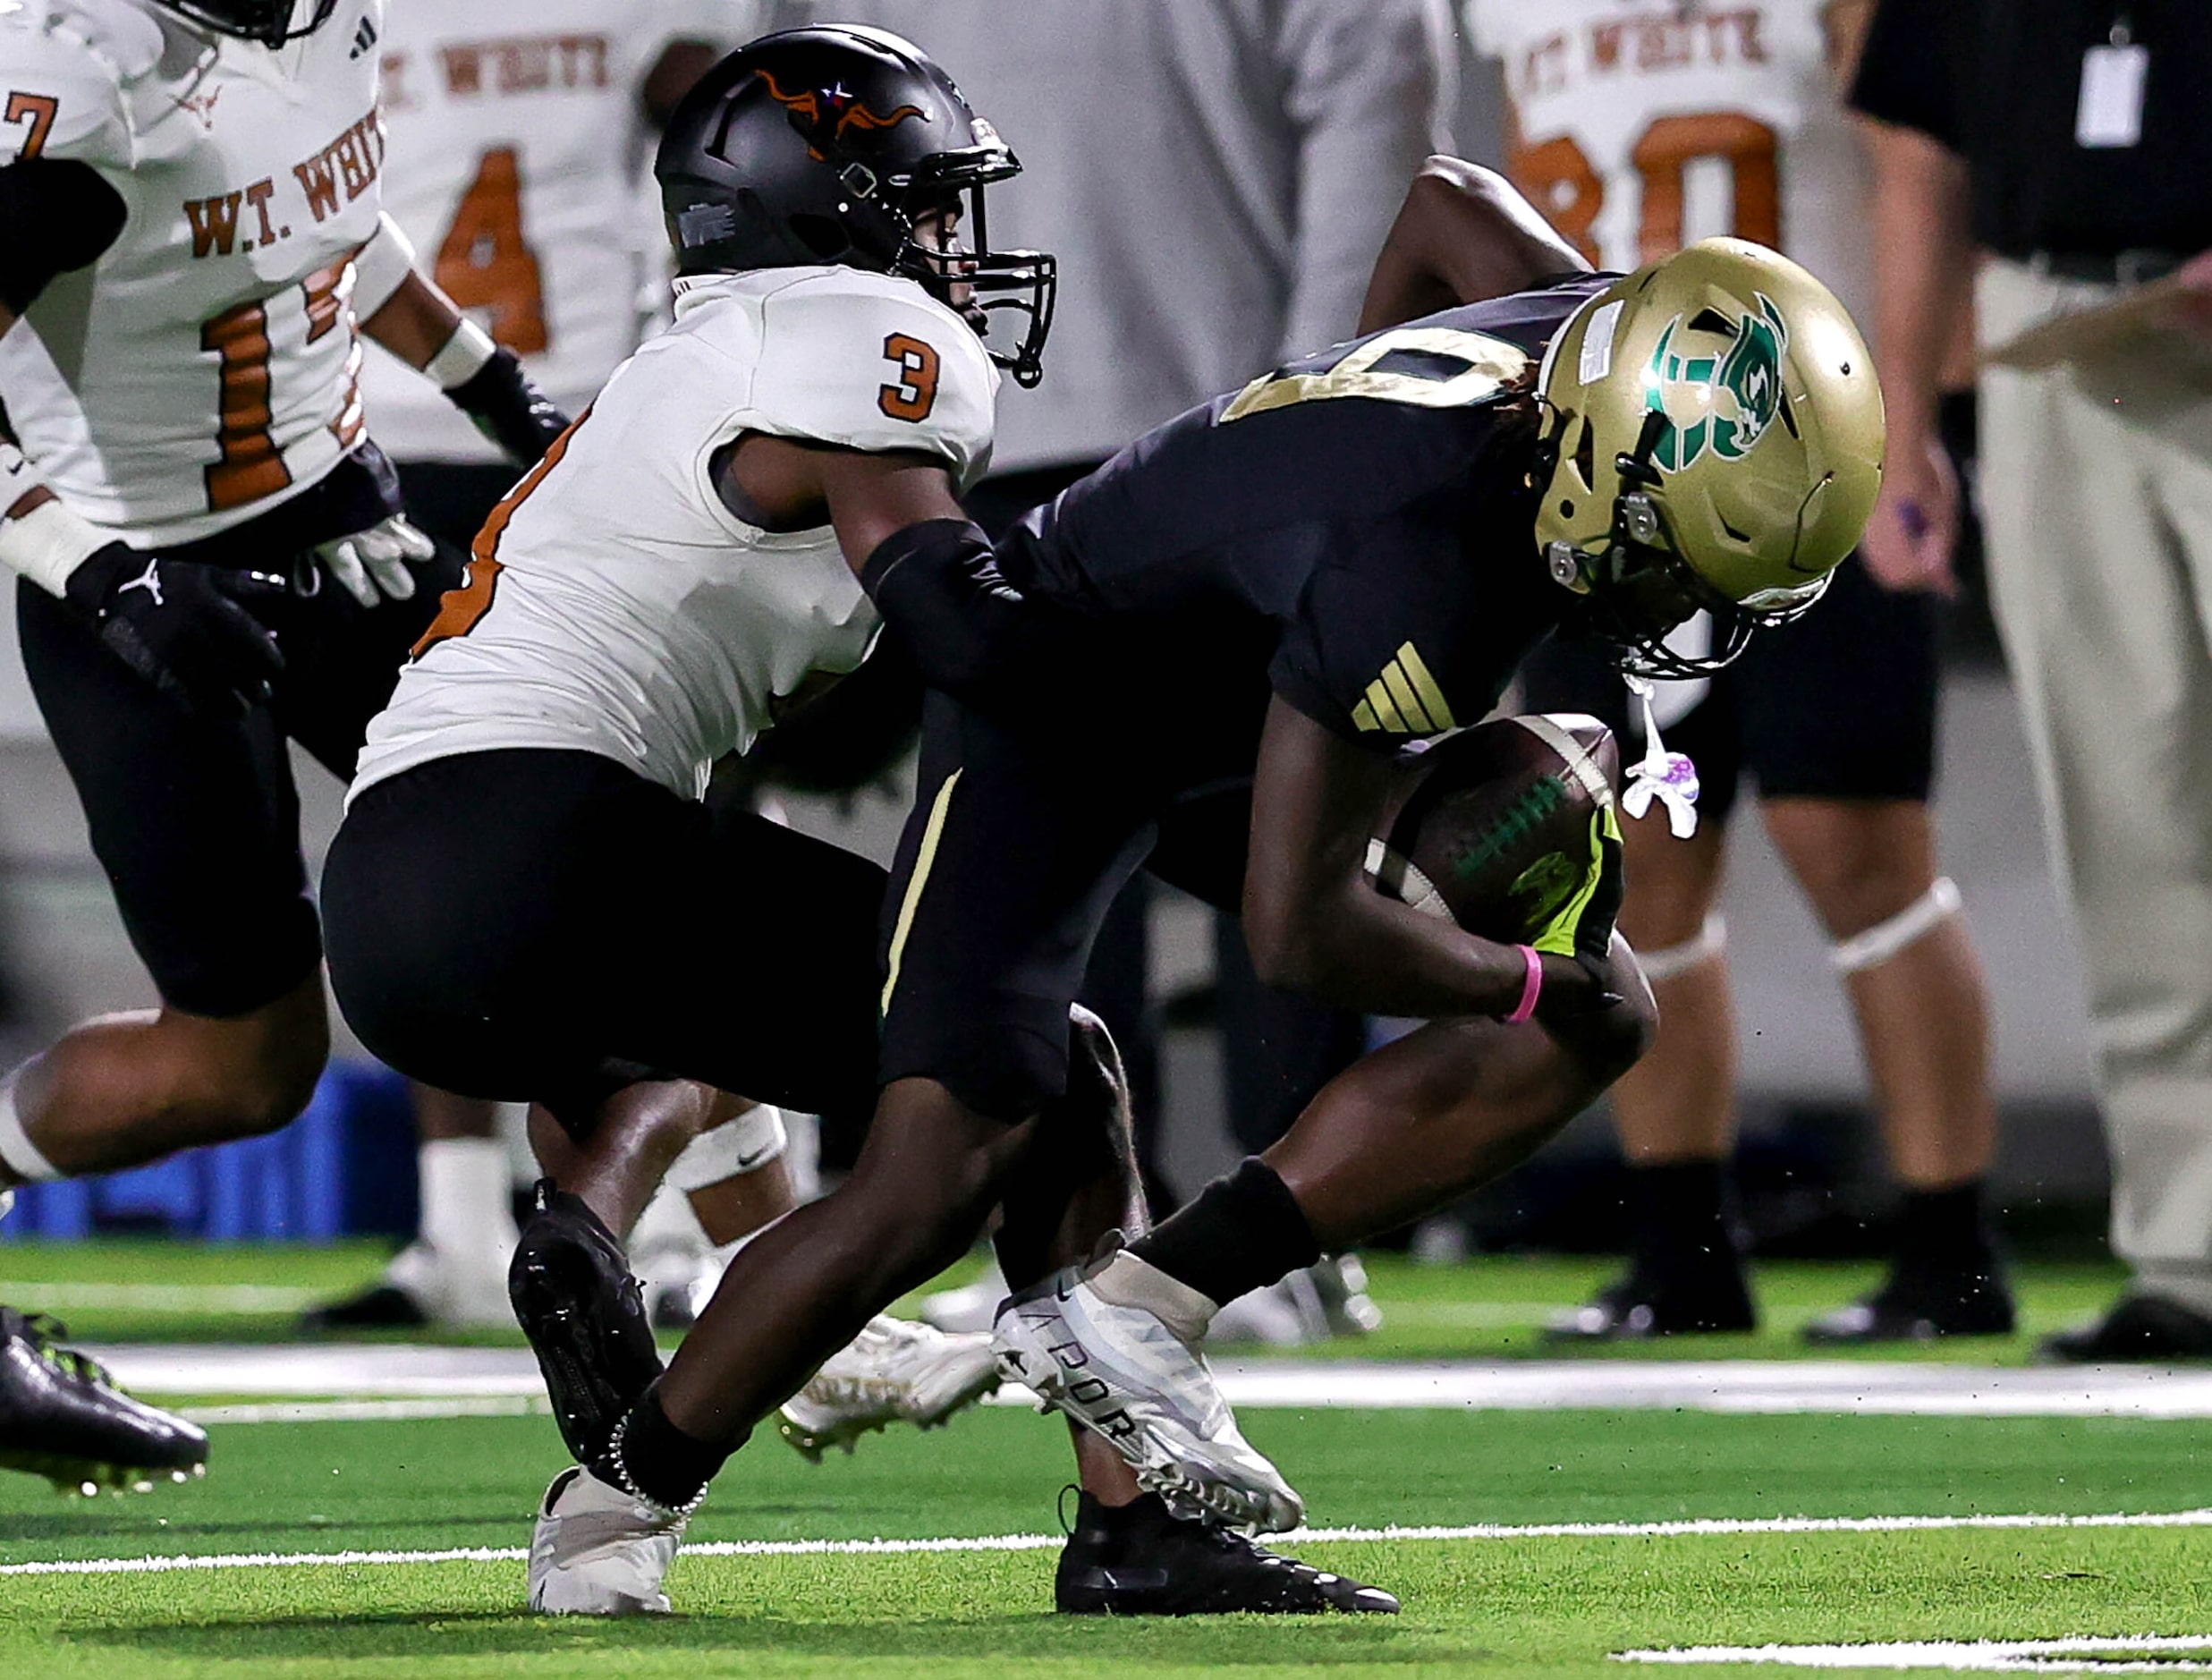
(1113, 1345)
(600, 1552)
(895, 1371)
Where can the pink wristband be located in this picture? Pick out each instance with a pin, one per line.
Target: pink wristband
(1531, 988)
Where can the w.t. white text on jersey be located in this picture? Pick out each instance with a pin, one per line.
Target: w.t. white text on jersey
(517, 168)
(205, 367)
(1641, 125)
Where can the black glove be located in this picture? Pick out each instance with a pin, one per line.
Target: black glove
(179, 624)
(508, 407)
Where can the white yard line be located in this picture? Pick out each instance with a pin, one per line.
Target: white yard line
(2077, 1655)
(371, 1411)
(353, 1372)
(1710, 1526)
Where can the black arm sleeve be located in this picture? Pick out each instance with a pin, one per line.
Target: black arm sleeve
(60, 216)
(973, 634)
(1908, 75)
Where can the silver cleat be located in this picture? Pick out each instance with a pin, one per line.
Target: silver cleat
(1113, 1345)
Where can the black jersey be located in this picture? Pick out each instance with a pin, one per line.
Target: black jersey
(1354, 530)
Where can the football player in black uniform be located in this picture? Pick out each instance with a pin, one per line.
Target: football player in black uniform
(1204, 659)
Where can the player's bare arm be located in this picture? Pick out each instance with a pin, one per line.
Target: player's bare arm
(1315, 922)
(1464, 234)
(426, 329)
(1921, 298)
(930, 571)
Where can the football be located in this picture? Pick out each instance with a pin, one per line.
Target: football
(1491, 827)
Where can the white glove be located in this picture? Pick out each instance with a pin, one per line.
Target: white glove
(372, 564)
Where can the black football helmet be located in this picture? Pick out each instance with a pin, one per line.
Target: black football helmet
(271, 23)
(827, 145)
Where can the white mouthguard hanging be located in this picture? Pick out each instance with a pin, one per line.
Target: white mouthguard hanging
(1667, 776)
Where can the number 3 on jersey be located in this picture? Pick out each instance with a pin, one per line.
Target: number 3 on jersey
(914, 393)
(486, 263)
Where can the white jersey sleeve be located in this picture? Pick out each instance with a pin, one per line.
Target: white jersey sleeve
(873, 363)
(62, 80)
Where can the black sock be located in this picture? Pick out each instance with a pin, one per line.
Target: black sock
(1242, 1233)
(658, 1459)
(1678, 1210)
(1944, 1231)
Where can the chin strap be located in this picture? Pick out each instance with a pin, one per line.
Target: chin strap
(1667, 776)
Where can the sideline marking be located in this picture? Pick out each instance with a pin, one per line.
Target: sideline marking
(1045, 1542)
(1980, 1656)
(1849, 1387)
(68, 1297)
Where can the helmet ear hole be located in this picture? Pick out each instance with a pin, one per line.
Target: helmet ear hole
(1584, 459)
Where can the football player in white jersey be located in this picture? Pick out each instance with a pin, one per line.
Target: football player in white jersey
(678, 571)
(516, 152)
(1639, 125)
(211, 552)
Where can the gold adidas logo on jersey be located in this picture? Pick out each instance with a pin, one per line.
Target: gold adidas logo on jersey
(1404, 699)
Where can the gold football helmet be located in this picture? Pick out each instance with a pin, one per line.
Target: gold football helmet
(1712, 438)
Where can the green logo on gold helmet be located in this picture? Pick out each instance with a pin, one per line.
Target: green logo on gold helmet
(1725, 403)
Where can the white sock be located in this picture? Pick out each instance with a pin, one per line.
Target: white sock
(466, 1205)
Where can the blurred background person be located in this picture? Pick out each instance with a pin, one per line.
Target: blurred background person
(1637, 132)
(1220, 175)
(517, 147)
(2059, 146)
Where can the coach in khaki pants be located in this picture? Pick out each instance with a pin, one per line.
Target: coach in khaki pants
(2065, 139)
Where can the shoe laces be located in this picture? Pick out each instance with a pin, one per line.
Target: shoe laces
(1223, 1537)
(44, 1333)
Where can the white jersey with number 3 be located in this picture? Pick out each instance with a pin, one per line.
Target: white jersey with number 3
(518, 137)
(204, 368)
(1641, 125)
(615, 606)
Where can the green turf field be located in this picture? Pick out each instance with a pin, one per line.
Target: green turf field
(1504, 1604)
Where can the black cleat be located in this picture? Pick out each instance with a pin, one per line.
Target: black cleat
(379, 1307)
(1919, 1308)
(585, 1317)
(1138, 1560)
(1642, 1305)
(61, 1418)
(2139, 1329)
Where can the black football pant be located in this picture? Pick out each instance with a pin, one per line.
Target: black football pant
(550, 927)
(195, 819)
